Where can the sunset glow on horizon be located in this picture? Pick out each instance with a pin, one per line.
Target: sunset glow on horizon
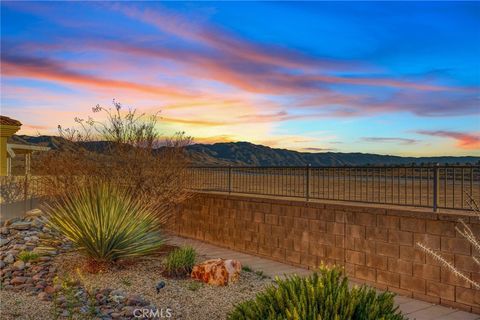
(387, 78)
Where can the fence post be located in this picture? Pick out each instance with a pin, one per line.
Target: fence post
(436, 187)
(307, 182)
(229, 179)
(25, 193)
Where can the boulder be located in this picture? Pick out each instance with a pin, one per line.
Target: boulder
(219, 272)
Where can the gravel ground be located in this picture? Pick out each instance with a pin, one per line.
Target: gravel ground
(20, 305)
(186, 298)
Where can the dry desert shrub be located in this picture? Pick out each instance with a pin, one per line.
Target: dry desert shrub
(124, 148)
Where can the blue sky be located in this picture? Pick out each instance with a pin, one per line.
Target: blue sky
(383, 77)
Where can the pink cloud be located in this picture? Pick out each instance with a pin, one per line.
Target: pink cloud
(469, 141)
(38, 68)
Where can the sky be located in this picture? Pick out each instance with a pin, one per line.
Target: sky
(376, 77)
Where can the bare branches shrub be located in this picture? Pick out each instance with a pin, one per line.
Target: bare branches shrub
(473, 239)
(124, 148)
(12, 188)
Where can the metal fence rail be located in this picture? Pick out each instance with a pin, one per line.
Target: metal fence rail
(446, 187)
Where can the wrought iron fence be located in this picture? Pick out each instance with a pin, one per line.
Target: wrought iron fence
(447, 187)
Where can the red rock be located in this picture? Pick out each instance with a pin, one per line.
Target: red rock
(49, 290)
(44, 296)
(217, 272)
(18, 280)
(38, 276)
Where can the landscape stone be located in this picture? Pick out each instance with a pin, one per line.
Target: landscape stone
(33, 213)
(218, 272)
(21, 225)
(135, 300)
(4, 242)
(49, 289)
(18, 280)
(19, 265)
(9, 259)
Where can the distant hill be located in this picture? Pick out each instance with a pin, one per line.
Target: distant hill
(245, 153)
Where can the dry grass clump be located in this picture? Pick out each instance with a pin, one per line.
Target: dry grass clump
(179, 262)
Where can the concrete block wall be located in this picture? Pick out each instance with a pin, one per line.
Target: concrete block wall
(376, 245)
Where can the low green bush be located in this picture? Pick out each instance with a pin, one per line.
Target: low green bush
(105, 222)
(322, 296)
(27, 256)
(180, 262)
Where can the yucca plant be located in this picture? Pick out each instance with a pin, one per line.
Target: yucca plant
(322, 296)
(105, 222)
(180, 262)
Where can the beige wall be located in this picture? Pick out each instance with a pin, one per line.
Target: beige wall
(375, 245)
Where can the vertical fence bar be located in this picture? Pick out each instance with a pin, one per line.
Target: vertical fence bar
(229, 179)
(25, 193)
(307, 182)
(436, 187)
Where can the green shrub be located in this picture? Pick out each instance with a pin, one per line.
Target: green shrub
(194, 285)
(27, 256)
(247, 269)
(180, 261)
(105, 222)
(324, 295)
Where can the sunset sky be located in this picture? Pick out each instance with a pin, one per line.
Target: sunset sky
(389, 78)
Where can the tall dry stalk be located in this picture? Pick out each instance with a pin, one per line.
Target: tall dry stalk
(126, 149)
(474, 239)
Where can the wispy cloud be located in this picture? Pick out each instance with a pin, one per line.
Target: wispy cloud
(464, 140)
(314, 149)
(389, 140)
(39, 68)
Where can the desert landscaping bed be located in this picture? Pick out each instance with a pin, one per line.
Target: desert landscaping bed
(33, 289)
(187, 298)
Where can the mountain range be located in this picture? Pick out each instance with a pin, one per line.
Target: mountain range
(249, 154)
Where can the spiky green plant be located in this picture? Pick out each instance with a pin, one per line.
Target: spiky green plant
(321, 296)
(105, 222)
(180, 261)
(27, 256)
